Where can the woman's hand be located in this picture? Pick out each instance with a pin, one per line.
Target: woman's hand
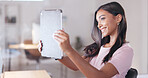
(40, 45)
(63, 40)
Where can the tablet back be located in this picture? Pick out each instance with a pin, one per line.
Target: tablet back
(50, 21)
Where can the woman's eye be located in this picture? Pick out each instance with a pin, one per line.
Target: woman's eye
(102, 18)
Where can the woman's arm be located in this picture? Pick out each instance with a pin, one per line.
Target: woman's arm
(68, 63)
(65, 60)
(88, 70)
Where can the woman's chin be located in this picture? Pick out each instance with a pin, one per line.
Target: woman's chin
(104, 35)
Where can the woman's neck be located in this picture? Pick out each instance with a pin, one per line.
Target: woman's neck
(113, 39)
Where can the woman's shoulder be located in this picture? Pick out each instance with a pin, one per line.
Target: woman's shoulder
(126, 47)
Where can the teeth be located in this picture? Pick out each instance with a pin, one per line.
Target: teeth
(103, 29)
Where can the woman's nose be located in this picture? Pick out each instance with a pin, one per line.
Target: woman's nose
(100, 25)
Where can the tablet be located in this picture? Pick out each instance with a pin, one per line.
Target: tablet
(50, 21)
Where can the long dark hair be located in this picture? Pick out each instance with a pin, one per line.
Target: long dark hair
(93, 49)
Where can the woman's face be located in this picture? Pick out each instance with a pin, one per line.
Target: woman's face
(107, 23)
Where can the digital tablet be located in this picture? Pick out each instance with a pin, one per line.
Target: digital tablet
(50, 21)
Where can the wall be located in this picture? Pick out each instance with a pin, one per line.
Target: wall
(144, 53)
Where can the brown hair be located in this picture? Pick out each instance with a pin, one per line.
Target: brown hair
(93, 49)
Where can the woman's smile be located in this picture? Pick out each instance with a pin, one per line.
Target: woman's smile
(103, 29)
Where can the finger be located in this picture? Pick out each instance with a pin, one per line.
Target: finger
(41, 49)
(40, 45)
(61, 36)
(63, 29)
(61, 32)
(58, 39)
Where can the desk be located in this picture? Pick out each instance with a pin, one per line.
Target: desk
(23, 46)
(20, 46)
(26, 74)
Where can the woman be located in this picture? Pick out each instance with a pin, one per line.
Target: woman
(109, 56)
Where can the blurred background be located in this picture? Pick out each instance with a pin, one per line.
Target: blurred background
(20, 22)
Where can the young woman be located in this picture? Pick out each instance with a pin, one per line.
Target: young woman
(109, 56)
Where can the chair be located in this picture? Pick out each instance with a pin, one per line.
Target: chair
(132, 73)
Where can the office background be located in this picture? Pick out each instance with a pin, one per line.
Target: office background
(77, 21)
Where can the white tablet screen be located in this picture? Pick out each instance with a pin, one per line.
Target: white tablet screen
(50, 21)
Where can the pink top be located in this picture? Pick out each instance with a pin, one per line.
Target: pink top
(121, 59)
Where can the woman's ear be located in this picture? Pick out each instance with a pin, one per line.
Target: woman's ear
(119, 18)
